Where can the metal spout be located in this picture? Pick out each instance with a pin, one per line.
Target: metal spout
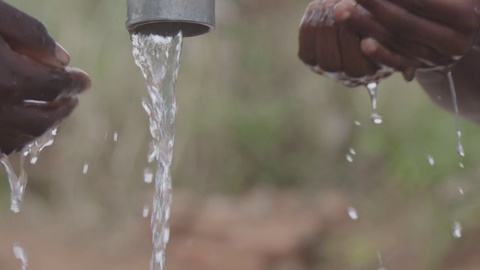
(168, 17)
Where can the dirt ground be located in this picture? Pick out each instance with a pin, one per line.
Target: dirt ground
(262, 230)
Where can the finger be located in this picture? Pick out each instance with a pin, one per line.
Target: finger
(327, 49)
(21, 79)
(360, 21)
(355, 64)
(28, 36)
(56, 84)
(21, 124)
(307, 34)
(411, 27)
(381, 55)
(460, 15)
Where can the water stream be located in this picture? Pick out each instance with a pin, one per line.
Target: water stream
(372, 91)
(453, 94)
(18, 182)
(158, 58)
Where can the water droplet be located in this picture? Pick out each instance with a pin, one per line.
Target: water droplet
(148, 176)
(357, 123)
(20, 254)
(35, 148)
(372, 91)
(352, 151)
(106, 136)
(85, 168)
(146, 211)
(352, 213)
(376, 118)
(349, 158)
(461, 165)
(457, 230)
(115, 136)
(430, 160)
(461, 191)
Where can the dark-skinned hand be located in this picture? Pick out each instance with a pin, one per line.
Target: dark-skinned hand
(334, 49)
(411, 34)
(37, 89)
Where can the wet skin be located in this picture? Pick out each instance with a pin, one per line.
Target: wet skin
(420, 38)
(37, 88)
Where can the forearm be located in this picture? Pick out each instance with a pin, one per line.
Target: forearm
(466, 74)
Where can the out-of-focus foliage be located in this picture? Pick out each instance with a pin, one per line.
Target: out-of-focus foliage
(250, 114)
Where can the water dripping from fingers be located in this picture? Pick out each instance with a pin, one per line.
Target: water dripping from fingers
(372, 91)
(453, 94)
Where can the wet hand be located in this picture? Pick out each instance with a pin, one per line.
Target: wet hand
(334, 49)
(37, 89)
(428, 33)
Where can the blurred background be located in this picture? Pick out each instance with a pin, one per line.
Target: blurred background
(261, 179)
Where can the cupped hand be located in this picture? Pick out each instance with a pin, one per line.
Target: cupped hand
(37, 89)
(430, 33)
(334, 49)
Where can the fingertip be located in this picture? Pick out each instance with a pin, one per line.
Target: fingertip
(343, 10)
(62, 55)
(369, 46)
(81, 80)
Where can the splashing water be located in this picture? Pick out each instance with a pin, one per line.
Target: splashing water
(18, 183)
(158, 58)
(21, 255)
(33, 150)
(453, 94)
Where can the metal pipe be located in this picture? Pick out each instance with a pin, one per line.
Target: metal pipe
(167, 17)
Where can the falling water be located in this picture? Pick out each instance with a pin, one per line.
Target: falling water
(18, 182)
(453, 94)
(352, 213)
(372, 91)
(158, 58)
